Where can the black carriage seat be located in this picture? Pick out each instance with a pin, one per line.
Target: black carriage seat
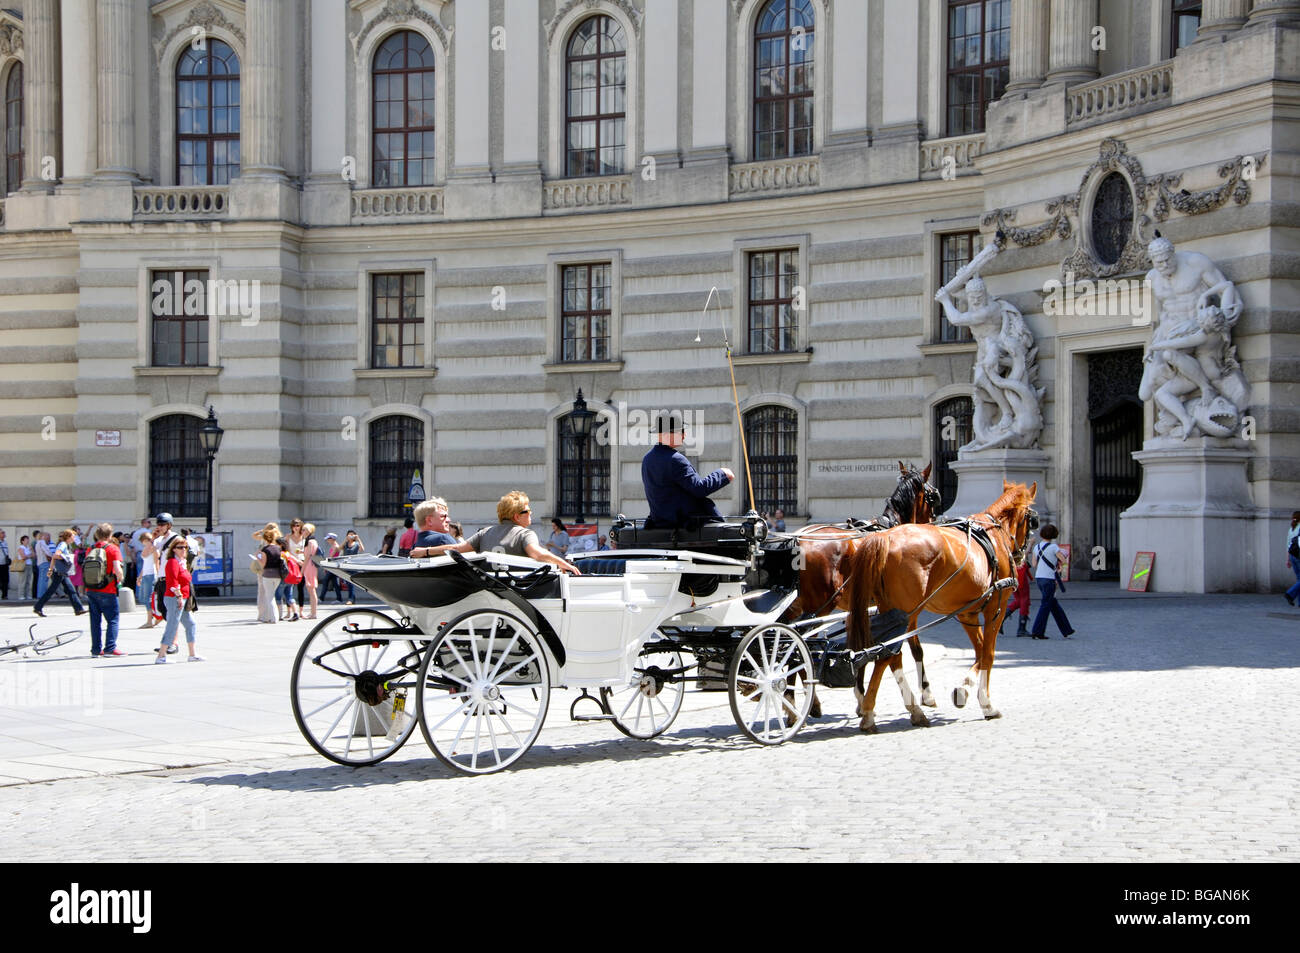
(731, 539)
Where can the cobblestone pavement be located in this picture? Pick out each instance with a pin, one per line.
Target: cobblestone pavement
(1162, 733)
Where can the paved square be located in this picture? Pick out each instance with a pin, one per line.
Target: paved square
(1161, 733)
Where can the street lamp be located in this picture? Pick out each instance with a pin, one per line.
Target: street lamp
(580, 422)
(210, 440)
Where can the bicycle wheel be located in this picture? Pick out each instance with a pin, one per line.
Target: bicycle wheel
(43, 645)
(352, 688)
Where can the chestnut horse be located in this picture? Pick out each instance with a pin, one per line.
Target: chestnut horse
(939, 569)
(827, 554)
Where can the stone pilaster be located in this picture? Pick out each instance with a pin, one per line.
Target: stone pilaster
(42, 84)
(1029, 44)
(114, 47)
(1275, 11)
(262, 88)
(1222, 16)
(1071, 58)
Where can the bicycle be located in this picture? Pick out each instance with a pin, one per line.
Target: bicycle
(42, 645)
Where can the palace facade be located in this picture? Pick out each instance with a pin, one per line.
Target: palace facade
(377, 236)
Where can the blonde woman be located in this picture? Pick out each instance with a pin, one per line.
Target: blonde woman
(309, 577)
(272, 567)
(513, 535)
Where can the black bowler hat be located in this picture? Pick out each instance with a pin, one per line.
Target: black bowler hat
(671, 423)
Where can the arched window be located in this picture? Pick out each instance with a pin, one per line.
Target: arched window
(596, 98)
(582, 470)
(207, 115)
(178, 468)
(783, 80)
(396, 452)
(952, 429)
(402, 79)
(14, 128)
(772, 437)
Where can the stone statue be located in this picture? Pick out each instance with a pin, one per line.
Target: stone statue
(1191, 371)
(1007, 413)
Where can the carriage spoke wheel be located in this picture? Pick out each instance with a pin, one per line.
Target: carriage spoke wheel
(649, 703)
(484, 688)
(770, 683)
(353, 692)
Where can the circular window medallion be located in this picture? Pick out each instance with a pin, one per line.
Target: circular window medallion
(1112, 218)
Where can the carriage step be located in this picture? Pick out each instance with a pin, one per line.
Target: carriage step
(591, 718)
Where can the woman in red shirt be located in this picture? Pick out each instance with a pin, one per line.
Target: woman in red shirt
(177, 600)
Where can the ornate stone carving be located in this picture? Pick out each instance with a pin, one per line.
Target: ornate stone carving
(1194, 203)
(1191, 371)
(1058, 223)
(632, 13)
(1007, 410)
(11, 39)
(402, 11)
(205, 15)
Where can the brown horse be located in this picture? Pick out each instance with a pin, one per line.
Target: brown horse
(939, 569)
(827, 553)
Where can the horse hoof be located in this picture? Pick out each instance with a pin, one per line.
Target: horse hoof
(959, 697)
(919, 719)
(868, 728)
(990, 715)
(816, 710)
(927, 699)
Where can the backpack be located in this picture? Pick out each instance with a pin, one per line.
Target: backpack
(94, 568)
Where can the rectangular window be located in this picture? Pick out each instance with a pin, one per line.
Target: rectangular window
(585, 307)
(178, 303)
(955, 250)
(979, 60)
(397, 320)
(773, 321)
(1185, 20)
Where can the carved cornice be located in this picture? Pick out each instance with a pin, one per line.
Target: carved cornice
(11, 39)
(402, 11)
(205, 15)
(1238, 173)
(632, 13)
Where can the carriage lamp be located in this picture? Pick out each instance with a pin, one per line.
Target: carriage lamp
(210, 440)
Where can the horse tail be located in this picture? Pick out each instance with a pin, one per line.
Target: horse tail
(865, 588)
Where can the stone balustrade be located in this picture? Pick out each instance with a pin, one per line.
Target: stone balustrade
(396, 203)
(595, 192)
(180, 202)
(962, 150)
(780, 175)
(1119, 95)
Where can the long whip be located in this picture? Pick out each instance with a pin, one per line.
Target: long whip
(735, 396)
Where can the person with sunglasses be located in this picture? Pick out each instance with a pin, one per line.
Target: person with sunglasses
(512, 535)
(177, 600)
(431, 517)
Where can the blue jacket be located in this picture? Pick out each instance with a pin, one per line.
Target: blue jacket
(677, 493)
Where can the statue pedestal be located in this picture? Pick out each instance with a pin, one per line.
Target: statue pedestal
(980, 474)
(1195, 513)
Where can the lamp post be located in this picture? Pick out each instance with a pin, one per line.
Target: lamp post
(580, 422)
(210, 439)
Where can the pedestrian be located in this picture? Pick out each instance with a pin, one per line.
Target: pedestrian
(1020, 600)
(456, 530)
(137, 552)
(286, 594)
(1293, 556)
(332, 551)
(779, 517)
(74, 575)
(105, 575)
(162, 541)
(5, 562)
(1046, 574)
(176, 579)
(309, 578)
(352, 546)
(44, 553)
(386, 546)
(25, 568)
(272, 570)
(146, 575)
(60, 565)
(558, 543)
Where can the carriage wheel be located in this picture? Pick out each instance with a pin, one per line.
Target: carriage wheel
(649, 703)
(484, 688)
(344, 706)
(770, 683)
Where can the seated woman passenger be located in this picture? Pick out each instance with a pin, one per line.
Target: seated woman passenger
(511, 535)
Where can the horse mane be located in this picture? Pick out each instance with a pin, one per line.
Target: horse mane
(902, 503)
(1013, 497)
